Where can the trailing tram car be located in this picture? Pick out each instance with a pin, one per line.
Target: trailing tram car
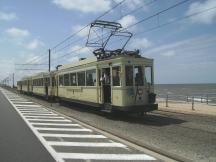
(24, 85)
(43, 84)
(123, 82)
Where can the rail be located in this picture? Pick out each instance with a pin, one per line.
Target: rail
(209, 99)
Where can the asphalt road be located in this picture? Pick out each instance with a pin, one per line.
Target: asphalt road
(188, 136)
(66, 139)
(17, 141)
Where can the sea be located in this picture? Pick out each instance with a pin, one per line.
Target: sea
(200, 92)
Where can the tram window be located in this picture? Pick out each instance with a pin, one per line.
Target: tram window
(91, 77)
(38, 82)
(73, 81)
(47, 81)
(42, 81)
(116, 75)
(81, 78)
(53, 81)
(61, 78)
(138, 74)
(66, 80)
(129, 75)
(148, 75)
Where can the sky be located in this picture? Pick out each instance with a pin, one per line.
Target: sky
(182, 40)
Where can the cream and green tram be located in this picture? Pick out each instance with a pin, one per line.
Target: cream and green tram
(124, 83)
(43, 84)
(24, 86)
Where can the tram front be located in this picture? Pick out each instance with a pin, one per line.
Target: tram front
(138, 86)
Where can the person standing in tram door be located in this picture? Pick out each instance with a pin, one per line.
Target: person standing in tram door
(105, 81)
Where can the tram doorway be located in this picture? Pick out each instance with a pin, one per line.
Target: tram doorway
(106, 85)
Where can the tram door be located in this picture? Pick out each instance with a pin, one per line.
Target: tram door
(106, 85)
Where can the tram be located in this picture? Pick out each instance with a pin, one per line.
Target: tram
(112, 80)
(124, 83)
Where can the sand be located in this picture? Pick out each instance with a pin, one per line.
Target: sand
(186, 107)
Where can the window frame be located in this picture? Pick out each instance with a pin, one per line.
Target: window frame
(94, 78)
(120, 78)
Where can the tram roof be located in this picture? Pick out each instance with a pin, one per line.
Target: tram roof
(80, 62)
(92, 60)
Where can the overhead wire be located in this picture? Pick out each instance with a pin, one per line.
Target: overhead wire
(145, 19)
(123, 15)
(88, 24)
(135, 10)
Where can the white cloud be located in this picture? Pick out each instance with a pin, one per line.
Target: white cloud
(82, 33)
(7, 16)
(182, 47)
(6, 67)
(140, 43)
(206, 18)
(17, 33)
(35, 44)
(127, 20)
(79, 50)
(84, 5)
(73, 59)
(168, 53)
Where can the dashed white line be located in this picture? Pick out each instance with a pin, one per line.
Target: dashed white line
(87, 156)
(73, 135)
(44, 117)
(36, 116)
(65, 129)
(87, 144)
(65, 120)
(56, 124)
(28, 115)
(27, 105)
(23, 103)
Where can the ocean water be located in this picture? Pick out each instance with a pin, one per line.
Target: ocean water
(181, 91)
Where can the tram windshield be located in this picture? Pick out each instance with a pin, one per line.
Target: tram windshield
(138, 75)
(134, 75)
(148, 75)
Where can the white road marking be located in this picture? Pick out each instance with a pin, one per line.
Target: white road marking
(56, 124)
(21, 110)
(32, 113)
(105, 156)
(40, 115)
(86, 144)
(73, 135)
(49, 120)
(31, 108)
(27, 105)
(38, 111)
(65, 129)
(14, 100)
(44, 117)
(43, 141)
(23, 102)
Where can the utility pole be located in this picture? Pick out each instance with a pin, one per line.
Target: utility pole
(49, 59)
(13, 80)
